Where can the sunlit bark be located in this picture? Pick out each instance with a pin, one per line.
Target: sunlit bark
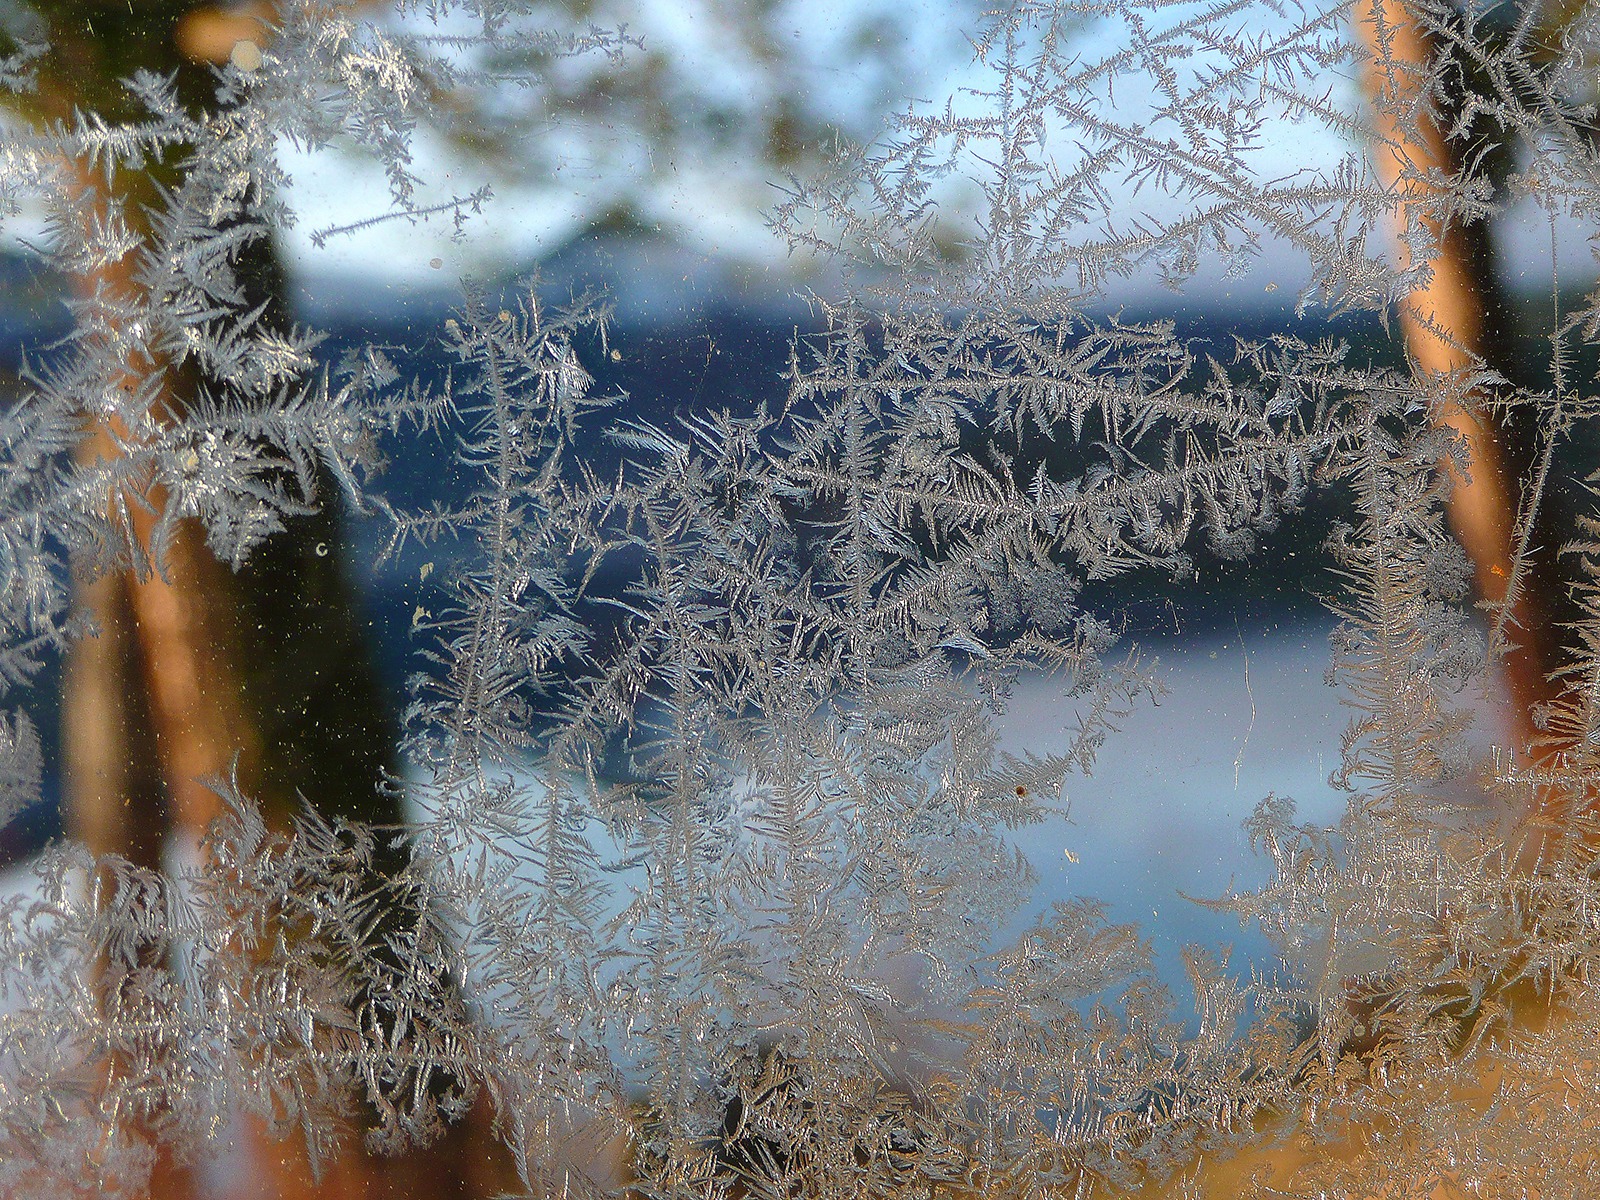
(1446, 326)
(197, 671)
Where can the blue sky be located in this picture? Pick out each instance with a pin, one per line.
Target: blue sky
(713, 205)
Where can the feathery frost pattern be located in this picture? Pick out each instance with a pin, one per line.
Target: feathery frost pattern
(712, 848)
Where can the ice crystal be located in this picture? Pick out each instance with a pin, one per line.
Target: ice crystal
(712, 847)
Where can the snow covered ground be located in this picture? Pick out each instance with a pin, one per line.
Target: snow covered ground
(1160, 817)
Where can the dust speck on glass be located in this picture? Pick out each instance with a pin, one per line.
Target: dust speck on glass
(749, 716)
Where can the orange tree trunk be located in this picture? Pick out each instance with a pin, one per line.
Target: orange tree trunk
(197, 668)
(1451, 328)
(1453, 325)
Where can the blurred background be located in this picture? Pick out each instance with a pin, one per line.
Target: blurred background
(650, 177)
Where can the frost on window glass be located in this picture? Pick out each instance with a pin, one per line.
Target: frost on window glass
(695, 850)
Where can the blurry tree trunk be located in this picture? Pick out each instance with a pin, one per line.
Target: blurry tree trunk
(196, 667)
(1455, 323)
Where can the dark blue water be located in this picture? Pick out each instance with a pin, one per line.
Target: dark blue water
(688, 339)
